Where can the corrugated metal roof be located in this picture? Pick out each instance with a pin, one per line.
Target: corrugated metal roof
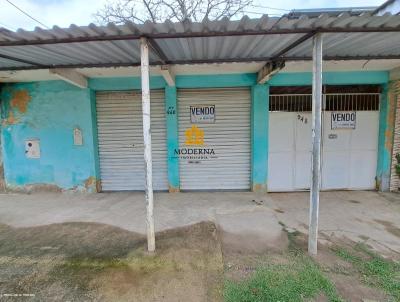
(333, 11)
(347, 36)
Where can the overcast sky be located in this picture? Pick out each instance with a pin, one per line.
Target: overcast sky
(80, 12)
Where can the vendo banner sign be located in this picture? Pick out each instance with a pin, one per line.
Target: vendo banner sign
(343, 120)
(202, 114)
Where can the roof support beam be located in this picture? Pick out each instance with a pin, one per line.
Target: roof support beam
(71, 76)
(269, 69)
(158, 51)
(148, 161)
(206, 61)
(277, 62)
(294, 44)
(19, 60)
(316, 118)
(256, 32)
(168, 75)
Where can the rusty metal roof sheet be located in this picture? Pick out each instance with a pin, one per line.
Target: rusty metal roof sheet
(346, 37)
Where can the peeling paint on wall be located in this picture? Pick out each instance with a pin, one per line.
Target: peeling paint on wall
(259, 188)
(47, 111)
(20, 100)
(10, 120)
(92, 184)
(14, 106)
(173, 189)
(27, 189)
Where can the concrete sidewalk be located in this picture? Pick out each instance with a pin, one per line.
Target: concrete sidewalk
(369, 217)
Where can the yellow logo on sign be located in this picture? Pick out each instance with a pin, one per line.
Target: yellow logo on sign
(194, 136)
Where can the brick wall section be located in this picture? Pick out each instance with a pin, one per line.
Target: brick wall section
(394, 92)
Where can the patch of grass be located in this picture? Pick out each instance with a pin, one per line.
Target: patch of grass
(294, 247)
(78, 264)
(375, 270)
(135, 260)
(300, 279)
(293, 235)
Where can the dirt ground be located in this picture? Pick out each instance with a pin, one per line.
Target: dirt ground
(91, 248)
(97, 262)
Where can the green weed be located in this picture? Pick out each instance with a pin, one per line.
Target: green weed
(294, 282)
(375, 270)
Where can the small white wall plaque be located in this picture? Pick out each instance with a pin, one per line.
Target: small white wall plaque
(32, 148)
(78, 139)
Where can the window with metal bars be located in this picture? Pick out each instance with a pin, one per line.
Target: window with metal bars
(331, 102)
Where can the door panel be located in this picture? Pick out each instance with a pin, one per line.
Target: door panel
(120, 139)
(302, 171)
(281, 151)
(348, 156)
(335, 170)
(281, 171)
(303, 151)
(228, 136)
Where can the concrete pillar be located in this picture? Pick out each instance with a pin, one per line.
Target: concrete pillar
(148, 161)
(171, 107)
(259, 137)
(394, 88)
(95, 185)
(316, 145)
(385, 141)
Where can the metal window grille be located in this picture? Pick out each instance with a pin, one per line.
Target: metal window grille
(331, 102)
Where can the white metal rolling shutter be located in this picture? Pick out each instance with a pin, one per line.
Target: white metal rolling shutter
(229, 136)
(120, 134)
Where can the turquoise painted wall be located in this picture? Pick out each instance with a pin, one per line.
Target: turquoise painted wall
(48, 111)
(55, 108)
(171, 109)
(124, 83)
(259, 137)
(331, 78)
(216, 80)
(241, 80)
(385, 139)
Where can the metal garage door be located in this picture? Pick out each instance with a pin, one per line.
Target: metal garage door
(120, 134)
(349, 156)
(220, 158)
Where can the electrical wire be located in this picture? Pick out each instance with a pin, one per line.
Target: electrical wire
(269, 7)
(260, 13)
(26, 14)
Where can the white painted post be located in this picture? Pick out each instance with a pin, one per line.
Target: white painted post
(316, 144)
(144, 60)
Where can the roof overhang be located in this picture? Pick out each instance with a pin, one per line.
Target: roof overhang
(346, 37)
